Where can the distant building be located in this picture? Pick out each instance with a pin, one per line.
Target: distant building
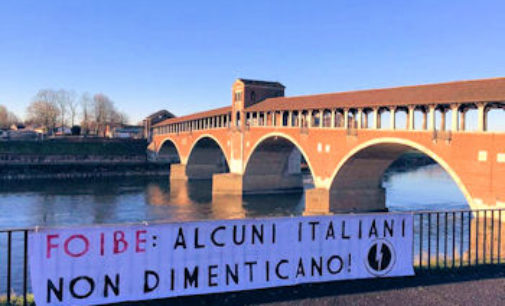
(62, 131)
(128, 131)
(152, 119)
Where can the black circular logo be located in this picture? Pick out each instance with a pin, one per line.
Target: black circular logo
(380, 257)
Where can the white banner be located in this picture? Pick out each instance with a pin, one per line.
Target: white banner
(96, 265)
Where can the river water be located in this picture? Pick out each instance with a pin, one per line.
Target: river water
(124, 200)
(120, 200)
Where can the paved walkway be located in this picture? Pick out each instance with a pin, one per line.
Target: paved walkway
(483, 285)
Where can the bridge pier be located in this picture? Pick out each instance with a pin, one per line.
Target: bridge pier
(178, 172)
(194, 172)
(233, 183)
(227, 183)
(323, 201)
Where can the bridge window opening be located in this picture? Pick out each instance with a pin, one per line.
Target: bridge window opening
(441, 118)
(295, 119)
(266, 118)
(304, 118)
(401, 118)
(238, 96)
(255, 119)
(352, 119)
(420, 118)
(248, 120)
(285, 118)
(367, 122)
(469, 117)
(315, 120)
(277, 118)
(495, 117)
(261, 119)
(339, 118)
(384, 118)
(449, 119)
(237, 119)
(327, 118)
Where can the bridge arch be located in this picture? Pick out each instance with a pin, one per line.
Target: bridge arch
(169, 151)
(206, 157)
(356, 181)
(274, 165)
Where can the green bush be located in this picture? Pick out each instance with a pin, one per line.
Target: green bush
(17, 300)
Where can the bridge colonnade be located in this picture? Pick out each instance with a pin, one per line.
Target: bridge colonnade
(371, 117)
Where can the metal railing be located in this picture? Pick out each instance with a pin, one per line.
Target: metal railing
(442, 240)
(14, 244)
(452, 239)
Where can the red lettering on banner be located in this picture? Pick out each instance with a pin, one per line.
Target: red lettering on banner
(139, 240)
(76, 254)
(120, 244)
(50, 245)
(102, 244)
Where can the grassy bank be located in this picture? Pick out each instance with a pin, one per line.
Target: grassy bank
(17, 300)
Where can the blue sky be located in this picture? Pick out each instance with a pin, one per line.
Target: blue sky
(183, 56)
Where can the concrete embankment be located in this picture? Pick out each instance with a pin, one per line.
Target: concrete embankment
(76, 158)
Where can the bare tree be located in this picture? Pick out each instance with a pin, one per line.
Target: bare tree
(7, 118)
(103, 109)
(86, 113)
(72, 105)
(119, 118)
(44, 109)
(61, 101)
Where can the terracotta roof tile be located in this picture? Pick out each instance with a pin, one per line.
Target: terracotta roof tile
(213, 112)
(486, 90)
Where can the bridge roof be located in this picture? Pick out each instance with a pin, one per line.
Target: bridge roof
(200, 115)
(485, 90)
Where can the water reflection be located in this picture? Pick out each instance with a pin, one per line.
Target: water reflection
(119, 200)
(427, 187)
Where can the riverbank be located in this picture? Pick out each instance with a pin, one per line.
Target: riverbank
(77, 157)
(67, 170)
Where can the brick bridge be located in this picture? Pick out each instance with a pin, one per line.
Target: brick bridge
(346, 139)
